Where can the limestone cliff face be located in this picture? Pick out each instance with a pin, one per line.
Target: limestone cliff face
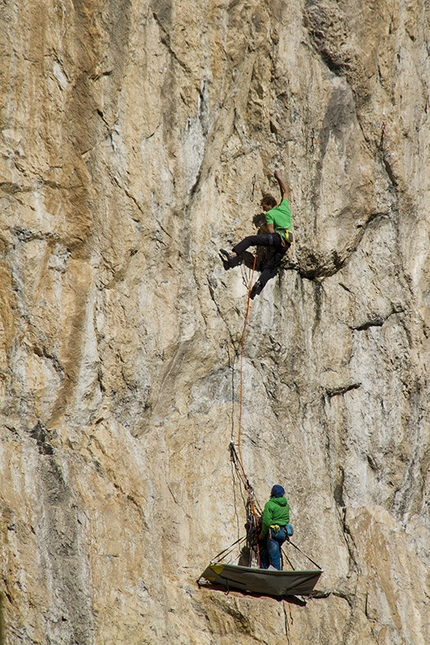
(137, 138)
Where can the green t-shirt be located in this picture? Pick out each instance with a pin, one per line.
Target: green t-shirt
(280, 216)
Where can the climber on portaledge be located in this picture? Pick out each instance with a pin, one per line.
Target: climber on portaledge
(276, 516)
(279, 236)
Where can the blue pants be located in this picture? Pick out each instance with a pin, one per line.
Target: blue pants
(273, 240)
(271, 555)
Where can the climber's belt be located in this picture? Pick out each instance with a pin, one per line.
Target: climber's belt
(275, 528)
(285, 235)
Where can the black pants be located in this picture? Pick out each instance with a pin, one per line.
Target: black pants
(274, 240)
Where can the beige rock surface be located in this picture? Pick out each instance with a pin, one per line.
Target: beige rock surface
(136, 140)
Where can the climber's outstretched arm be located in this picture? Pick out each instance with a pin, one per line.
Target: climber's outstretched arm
(285, 193)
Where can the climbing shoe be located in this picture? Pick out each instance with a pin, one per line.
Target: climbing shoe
(227, 257)
(256, 290)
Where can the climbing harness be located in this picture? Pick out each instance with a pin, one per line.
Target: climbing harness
(285, 235)
(289, 531)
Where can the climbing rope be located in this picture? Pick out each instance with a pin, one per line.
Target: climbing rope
(254, 505)
(242, 344)
(253, 509)
(236, 455)
(226, 552)
(306, 556)
(284, 555)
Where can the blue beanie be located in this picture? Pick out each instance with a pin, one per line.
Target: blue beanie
(277, 491)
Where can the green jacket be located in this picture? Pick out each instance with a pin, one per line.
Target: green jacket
(276, 511)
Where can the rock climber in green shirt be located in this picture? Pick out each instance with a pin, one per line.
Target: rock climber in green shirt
(276, 516)
(278, 222)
